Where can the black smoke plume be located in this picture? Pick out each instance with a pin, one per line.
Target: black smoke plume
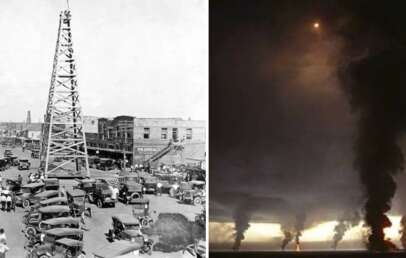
(299, 226)
(403, 232)
(345, 224)
(288, 237)
(242, 217)
(377, 89)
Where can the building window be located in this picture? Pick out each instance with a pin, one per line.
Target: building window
(175, 134)
(164, 133)
(189, 134)
(146, 133)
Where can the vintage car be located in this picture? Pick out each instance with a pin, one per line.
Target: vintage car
(47, 202)
(35, 154)
(11, 161)
(93, 161)
(127, 178)
(45, 195)
(200, 218)
(58, 200)
(119, 249)
(11, 185)
(47, 248)
(33, 219)
(169, 184)
(129, 190)
(128, 185)
(106, 164)
(3, 164)
(7, 153)
(197, 249)
(124, 227)
(192, 192)
(60, 222)
(76, 199)
(101, 196)
(150, 184)
(86, 185)
(140, 209)
(24, 164)
(27, 192)
(51, 184)
(64, 247)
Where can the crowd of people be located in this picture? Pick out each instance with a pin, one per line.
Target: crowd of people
(35, 177)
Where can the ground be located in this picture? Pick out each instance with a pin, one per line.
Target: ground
(98, 225)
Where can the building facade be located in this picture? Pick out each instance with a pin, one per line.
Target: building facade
(140, 138)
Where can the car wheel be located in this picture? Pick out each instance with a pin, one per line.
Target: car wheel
(197, 201)
(144, 222)
(99, 203)
(68, 254)
(26, 204)
(41, 226)
(31, 231)
(113, 205)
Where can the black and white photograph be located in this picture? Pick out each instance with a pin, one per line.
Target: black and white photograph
(103, 128)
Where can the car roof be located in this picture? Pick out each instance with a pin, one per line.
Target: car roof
(139, 201)
(126, 219)
(33, 185)
(118, 248)
(197, 182)
(87, 180)
(46, 193)
(54, 199)
(64, 231)
(69, 242)
(54, 208)
(62, 220)
(76, 192)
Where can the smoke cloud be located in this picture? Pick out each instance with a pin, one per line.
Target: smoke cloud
(344, 224)
(242, 216)
(376, 90)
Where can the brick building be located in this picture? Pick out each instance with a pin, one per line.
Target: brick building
(141, 138)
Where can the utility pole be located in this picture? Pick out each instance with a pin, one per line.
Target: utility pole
(63, 139)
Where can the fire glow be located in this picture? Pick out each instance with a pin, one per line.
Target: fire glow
(323, 232)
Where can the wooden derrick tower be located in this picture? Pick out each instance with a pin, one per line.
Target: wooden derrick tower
(63, 145)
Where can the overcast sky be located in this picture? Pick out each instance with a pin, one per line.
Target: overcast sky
(145, 58)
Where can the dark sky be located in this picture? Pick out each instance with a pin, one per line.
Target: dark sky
(282, 128)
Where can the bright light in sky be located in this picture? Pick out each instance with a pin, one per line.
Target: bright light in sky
(316, 25)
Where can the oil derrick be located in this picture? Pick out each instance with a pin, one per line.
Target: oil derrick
(63, 144)
(28, 120)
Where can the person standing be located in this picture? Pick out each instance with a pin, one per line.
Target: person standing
(8, 202)
(3, 201)
(3, 243)
(19, 179)
(13, 201)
